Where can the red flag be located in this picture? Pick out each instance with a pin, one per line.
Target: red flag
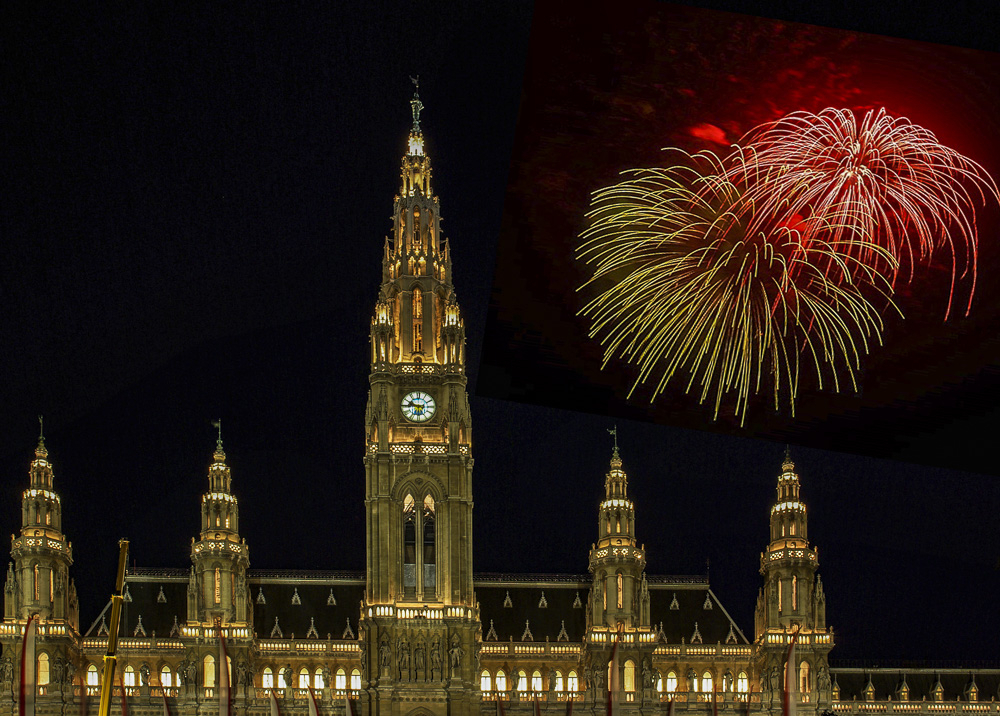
(789, 702)
(538, 709)
(715, 700)
(500, 710)
(121, 685)
(83, 696)
(348, 711)
(166, 705)
(613, 676)
(569, 704)
(26, 699)
(275, 709)
(223, 676)
(313, 708)
(670, 705)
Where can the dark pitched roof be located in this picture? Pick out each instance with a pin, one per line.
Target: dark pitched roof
(144, 601)
(525, 610)
(301, 601)
(680, 606)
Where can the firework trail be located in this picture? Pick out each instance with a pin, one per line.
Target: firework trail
(882, 179)
(695, 280)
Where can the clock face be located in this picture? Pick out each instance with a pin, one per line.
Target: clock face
(418, 406)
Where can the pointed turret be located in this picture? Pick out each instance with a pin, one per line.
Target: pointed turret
(38, 580)
(616, 560)
(219, 557)
(792, 596)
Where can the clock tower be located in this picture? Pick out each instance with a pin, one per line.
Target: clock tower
(420, 619)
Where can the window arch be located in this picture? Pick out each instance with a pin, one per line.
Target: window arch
(128, 678)
(283, 676)
(166, 677)
(355, 679)
(43, 669)
(621, 589)
(559, 686)
(706, 682)
(318, 681)
(742, 683)
(522, 680)
(629, 680)
(671, 682)
(572, 682)
(304, 678)
(659, 683)
(485, 681)
(804, 681)
(501, 680)
(409, 545)
(209, 671)
(267, 678)
(536, 680)
(92, 679)
(340, 680)
(430, 558)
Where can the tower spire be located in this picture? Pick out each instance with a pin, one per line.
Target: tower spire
(416, 105)
(40, 451)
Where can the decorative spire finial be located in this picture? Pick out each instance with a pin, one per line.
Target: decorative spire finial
(415, 104)
(40, 451)
(220, 454)
(614, 433)
(788, 464)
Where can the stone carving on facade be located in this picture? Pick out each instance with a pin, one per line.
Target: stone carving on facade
(144, 674)
(384, 655)
(7, 673)
(403, 658)
(420, 661)
(436, 659)
(456, 652)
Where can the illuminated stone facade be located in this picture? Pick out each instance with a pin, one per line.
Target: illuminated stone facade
(419, 632)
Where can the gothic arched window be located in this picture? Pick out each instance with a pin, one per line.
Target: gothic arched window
(742, 682)
(572, 682)
(795, 593)
(128, 679)
(166, 677)
(209, 671)
(522, 680)
(804, 684)
(318, 679)
(303, 678)
(629, 680)
(559, 680)
(418, 320)
(501, 681)
(430, 560)
(621, 584)
(92, 679)
(485, 682)
(536, 680)
(43, 669)
(267, 679)
(671, 682)
(409, 545)
(706, 682)
(355, 679)
(340, 680)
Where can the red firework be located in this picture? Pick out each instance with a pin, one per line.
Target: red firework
(882, 180)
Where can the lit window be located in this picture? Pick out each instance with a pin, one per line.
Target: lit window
(355, 679)
(742, 682)
(795, 593)
(282, 681)
(629, 675)
(671, 682)
(318, 679)
(218, 587)
(780, 605)
(621, 583)
(43, 669)
(418, 313)
(522, 681)
(129, 677)
(804, 677)
(267, 680)
(485, 682)
(209, 671)
(303, 678)
(572, 682)
(791, 529)
(559, 680)
(92, 675)
(659, 683)
(48, 518)
(166, 677)
(536, 681)
(706, 682)
(501, 681)
(340, 679)
(35, 581)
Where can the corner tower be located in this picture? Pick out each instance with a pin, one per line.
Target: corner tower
(38, 579)
(420, 617)
(792, 601)
(217, 590)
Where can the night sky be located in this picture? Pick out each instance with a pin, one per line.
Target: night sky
(194, 207)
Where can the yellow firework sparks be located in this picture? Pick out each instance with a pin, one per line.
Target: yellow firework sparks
(687, 291)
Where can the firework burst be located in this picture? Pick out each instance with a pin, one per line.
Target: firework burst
(881, 180)
(693, 281)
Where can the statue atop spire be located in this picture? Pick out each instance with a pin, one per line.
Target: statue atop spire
(416, 105)
(40, 451)
(616, 460)
(788, 465)
(220, 454)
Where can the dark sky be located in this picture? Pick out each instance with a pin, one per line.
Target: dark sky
(194, 205)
